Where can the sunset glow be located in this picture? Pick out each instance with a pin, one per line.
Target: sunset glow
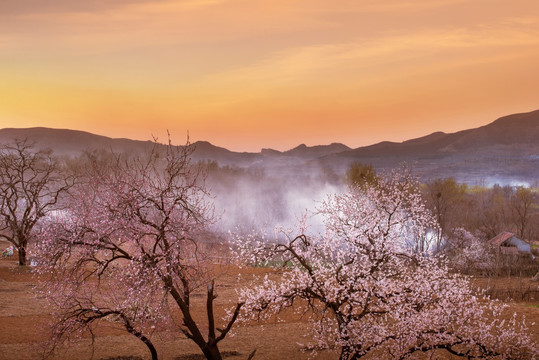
(248, 75)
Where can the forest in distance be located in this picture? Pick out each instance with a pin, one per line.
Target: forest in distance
(374, 260)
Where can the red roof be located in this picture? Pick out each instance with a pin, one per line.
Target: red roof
(499, 239)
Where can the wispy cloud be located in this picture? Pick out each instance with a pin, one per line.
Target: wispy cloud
(26, 7)
(373, 59)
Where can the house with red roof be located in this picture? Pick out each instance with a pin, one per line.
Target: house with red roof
(509, 244)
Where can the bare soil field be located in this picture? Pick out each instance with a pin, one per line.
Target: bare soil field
(23, 320)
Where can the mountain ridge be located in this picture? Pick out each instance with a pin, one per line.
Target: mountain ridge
(506, 146)
(499, 128)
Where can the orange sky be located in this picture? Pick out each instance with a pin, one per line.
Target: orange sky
(247, 74)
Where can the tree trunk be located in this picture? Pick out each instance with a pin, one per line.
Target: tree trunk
(348, 353)
(211, 351)
(148, 343)
(139, 335)
(22, 254)
(345, 353)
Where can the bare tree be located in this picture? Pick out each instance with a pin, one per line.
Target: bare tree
(492, 214)
(522, 201)
(137, 226)
(443, 199)
(31, 185)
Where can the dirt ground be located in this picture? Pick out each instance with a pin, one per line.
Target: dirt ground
(23, 321)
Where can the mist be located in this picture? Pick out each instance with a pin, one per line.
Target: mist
(261, 199)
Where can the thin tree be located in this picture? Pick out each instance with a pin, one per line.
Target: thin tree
(31, 185)
(136, 226)
(493, 212)
(445, 198)
(522, 201)
(369, 294)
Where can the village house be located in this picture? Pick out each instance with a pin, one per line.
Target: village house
(509, 244)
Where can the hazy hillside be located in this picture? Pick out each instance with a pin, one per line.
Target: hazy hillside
(503, 151)
(506, 150)
(520, 132)
(71, 142)
(307, 152)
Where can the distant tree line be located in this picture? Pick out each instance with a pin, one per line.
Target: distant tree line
(467, 217)
(481, 210)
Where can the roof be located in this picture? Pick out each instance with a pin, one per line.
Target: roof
(499, 239)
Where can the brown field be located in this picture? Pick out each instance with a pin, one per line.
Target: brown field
(23, 321)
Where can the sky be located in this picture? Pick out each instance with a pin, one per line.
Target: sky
(252, 74)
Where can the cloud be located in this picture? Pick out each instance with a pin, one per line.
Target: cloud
(372, 59)
(53, 8)
(418, 5)
(50, 7)
(25, 7)
(373, 6)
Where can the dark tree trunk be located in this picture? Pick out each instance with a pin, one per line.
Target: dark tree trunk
(149, 344)
(22, 254)
(348, 353)
(209, 347)
(139, 335)
(212, 352)
(345, 352)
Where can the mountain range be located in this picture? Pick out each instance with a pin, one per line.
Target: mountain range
(504, 151)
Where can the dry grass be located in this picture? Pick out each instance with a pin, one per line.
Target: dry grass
(23, 319)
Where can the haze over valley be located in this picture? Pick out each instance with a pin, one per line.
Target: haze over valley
(269, 188)
(505, 151)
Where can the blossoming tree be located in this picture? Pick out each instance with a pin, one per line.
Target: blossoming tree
(129, 248)
(370, 292)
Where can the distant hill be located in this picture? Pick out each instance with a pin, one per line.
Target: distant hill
(71, 142)
(507, 148)
(307, 152)
(66, 142)
(518, 132)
